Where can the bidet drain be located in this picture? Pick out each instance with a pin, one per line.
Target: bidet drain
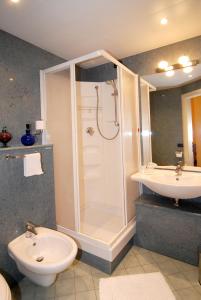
(40, 258)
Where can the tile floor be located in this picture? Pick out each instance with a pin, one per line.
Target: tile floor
(80, 281)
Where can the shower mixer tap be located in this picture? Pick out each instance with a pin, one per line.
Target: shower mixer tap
(90, 131)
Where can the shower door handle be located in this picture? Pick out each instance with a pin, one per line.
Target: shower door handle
(90, 131)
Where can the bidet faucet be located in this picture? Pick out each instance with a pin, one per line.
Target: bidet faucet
(178, 169)
(31, 228)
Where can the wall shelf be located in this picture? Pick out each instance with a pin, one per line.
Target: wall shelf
(14, 148)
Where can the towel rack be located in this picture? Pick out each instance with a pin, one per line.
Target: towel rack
(10, 156)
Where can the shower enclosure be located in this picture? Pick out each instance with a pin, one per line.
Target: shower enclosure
(90, 105)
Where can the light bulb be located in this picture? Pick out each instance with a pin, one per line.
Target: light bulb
(169, 73)
(164, 21)
(15, 1)
(187, 64)
(183, 60)
(163, 64)
(169, 68)
(187, 70)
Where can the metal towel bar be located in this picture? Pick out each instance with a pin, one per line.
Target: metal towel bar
(10, 156)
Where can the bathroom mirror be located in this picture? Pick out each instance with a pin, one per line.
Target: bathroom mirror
(175, 118)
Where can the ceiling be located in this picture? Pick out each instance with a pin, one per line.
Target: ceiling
(71, 28)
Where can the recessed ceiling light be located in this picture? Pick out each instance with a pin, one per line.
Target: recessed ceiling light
(164, 21)
(163, 64)
(15, 1)
(190, 75)
(11, 79)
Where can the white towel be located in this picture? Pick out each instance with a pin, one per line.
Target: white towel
(32, 164)
(151, 286)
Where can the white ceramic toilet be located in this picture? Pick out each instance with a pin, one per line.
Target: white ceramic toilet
(5, 293)
(41, 257)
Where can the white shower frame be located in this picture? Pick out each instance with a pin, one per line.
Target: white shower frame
(91, 245)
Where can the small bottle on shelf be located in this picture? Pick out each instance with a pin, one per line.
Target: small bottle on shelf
(28, 139)
(5, 136)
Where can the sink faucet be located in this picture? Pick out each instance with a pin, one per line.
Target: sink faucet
(178, 169)
(31, 229)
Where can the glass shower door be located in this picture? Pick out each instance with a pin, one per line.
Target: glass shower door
(130, 138)
(100, 161)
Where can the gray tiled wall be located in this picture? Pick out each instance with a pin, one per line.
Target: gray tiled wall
(97, 74)
(171, 231)
(22, 199)
(20, 98)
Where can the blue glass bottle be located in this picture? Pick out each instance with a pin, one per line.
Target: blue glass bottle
(28, 139)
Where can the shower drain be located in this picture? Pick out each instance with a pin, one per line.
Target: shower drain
(40, 258)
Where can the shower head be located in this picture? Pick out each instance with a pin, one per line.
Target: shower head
(110, 82)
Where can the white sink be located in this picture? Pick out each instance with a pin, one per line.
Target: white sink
(167, 183)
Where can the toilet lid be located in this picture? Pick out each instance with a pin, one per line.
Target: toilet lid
(4, 289)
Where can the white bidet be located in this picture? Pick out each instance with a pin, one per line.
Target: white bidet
(41, 257)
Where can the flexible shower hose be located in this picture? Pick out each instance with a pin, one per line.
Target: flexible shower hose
(97, 117)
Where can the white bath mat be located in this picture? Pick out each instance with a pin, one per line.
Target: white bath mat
(151, 286)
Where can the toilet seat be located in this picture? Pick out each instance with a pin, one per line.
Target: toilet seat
(4, 289)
